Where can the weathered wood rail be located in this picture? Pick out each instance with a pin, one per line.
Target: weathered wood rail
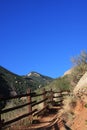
(50, 107)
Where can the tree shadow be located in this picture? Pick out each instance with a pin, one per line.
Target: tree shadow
(67, 127)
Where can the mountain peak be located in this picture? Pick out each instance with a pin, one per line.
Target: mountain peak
(33, 73)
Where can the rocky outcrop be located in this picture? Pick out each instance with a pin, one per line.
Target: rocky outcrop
(81, 87)
(69, 71)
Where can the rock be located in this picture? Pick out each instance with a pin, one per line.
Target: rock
(69, 71)
(13, 93)
(81, 87)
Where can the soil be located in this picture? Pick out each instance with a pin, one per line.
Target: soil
(79, 121)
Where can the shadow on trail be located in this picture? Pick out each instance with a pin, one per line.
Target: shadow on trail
(66, 127)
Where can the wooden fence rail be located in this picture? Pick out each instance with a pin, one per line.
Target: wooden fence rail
(31, 111)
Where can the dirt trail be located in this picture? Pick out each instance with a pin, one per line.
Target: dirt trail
(79, 121)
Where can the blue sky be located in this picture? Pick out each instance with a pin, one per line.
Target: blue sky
(41, 35)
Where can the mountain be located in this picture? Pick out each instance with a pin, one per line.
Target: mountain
(69, 80)
(15, 84)
(40, 79)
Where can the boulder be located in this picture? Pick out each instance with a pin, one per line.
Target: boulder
(81, 87)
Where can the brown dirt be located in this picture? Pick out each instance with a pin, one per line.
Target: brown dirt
(79, 121)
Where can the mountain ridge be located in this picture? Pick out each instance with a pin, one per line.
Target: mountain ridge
(19, 84)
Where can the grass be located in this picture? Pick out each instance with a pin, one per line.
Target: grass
(16, 113)
(25, 122)
(86, 122)
(85, 105)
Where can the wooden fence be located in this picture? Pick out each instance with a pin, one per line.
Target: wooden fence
(47, 99)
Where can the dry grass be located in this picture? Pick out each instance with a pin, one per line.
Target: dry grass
(25, 122)
(16, 113)
(68, 107)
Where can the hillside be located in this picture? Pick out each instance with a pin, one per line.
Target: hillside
(16, 84)
(40, 79)
(61, 83)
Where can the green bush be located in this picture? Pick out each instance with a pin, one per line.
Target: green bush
(62, 83)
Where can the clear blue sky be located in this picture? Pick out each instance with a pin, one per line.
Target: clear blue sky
(41, 35)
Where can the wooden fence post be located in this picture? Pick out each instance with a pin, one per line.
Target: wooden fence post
(51, 96)
(29, 106)
(44, 97)
(61, 94)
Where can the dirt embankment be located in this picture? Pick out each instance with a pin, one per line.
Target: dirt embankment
(80, 120)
